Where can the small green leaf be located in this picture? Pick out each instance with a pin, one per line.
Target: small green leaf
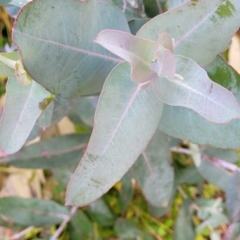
(126, 193)
(184, 228)
(100, 212)
(233, 197)
(80, 227)
(127, 229)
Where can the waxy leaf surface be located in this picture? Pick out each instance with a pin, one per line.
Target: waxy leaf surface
(153, 172)
(195, 28)
(57, 49)
(147, 58)
(126, 193)
(81, 227)
(211, 172)
(52, 153)
(45, 120)
(100, 213)
(155, 62)
(85, 109)
(193, 89)
(32, 212)
(210, 169)
(184, 228)
(185, 124)
(21, 110)
(138, 52)
(125, 120)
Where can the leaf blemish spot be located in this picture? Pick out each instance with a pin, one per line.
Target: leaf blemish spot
(45, 102)
(96, 181)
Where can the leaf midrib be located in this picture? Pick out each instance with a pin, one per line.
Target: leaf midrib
(80, 50)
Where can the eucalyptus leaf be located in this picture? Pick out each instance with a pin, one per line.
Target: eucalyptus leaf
(62, 107)
(189, 175)
(51, 153)
(153, 172)
(32, 212)
(57, 48)
(126, 193)
(85, 109)
(45, 119)
(23, 106)
(127, 229)
(63, 173)
(194, 27)
(136, 24)
(117, 130)
(194, 90)
(80, 227)
(211, 172)
(176, 81)
(194, 20)
(100, 212)
(184, 229)
(223, 154)
(185, 124)
(233, 197)
(211, 212)
(138, 52)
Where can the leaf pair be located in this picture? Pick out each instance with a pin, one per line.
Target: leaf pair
(175, 80)
(147, 58)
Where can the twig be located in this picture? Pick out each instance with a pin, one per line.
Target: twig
(150, 218)
(150, 229)
(222, 163)
(124, 5)
(182, 193)
(160, 10)
(63, 224)
(181, 150)
(22, 233)
(216, 161)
